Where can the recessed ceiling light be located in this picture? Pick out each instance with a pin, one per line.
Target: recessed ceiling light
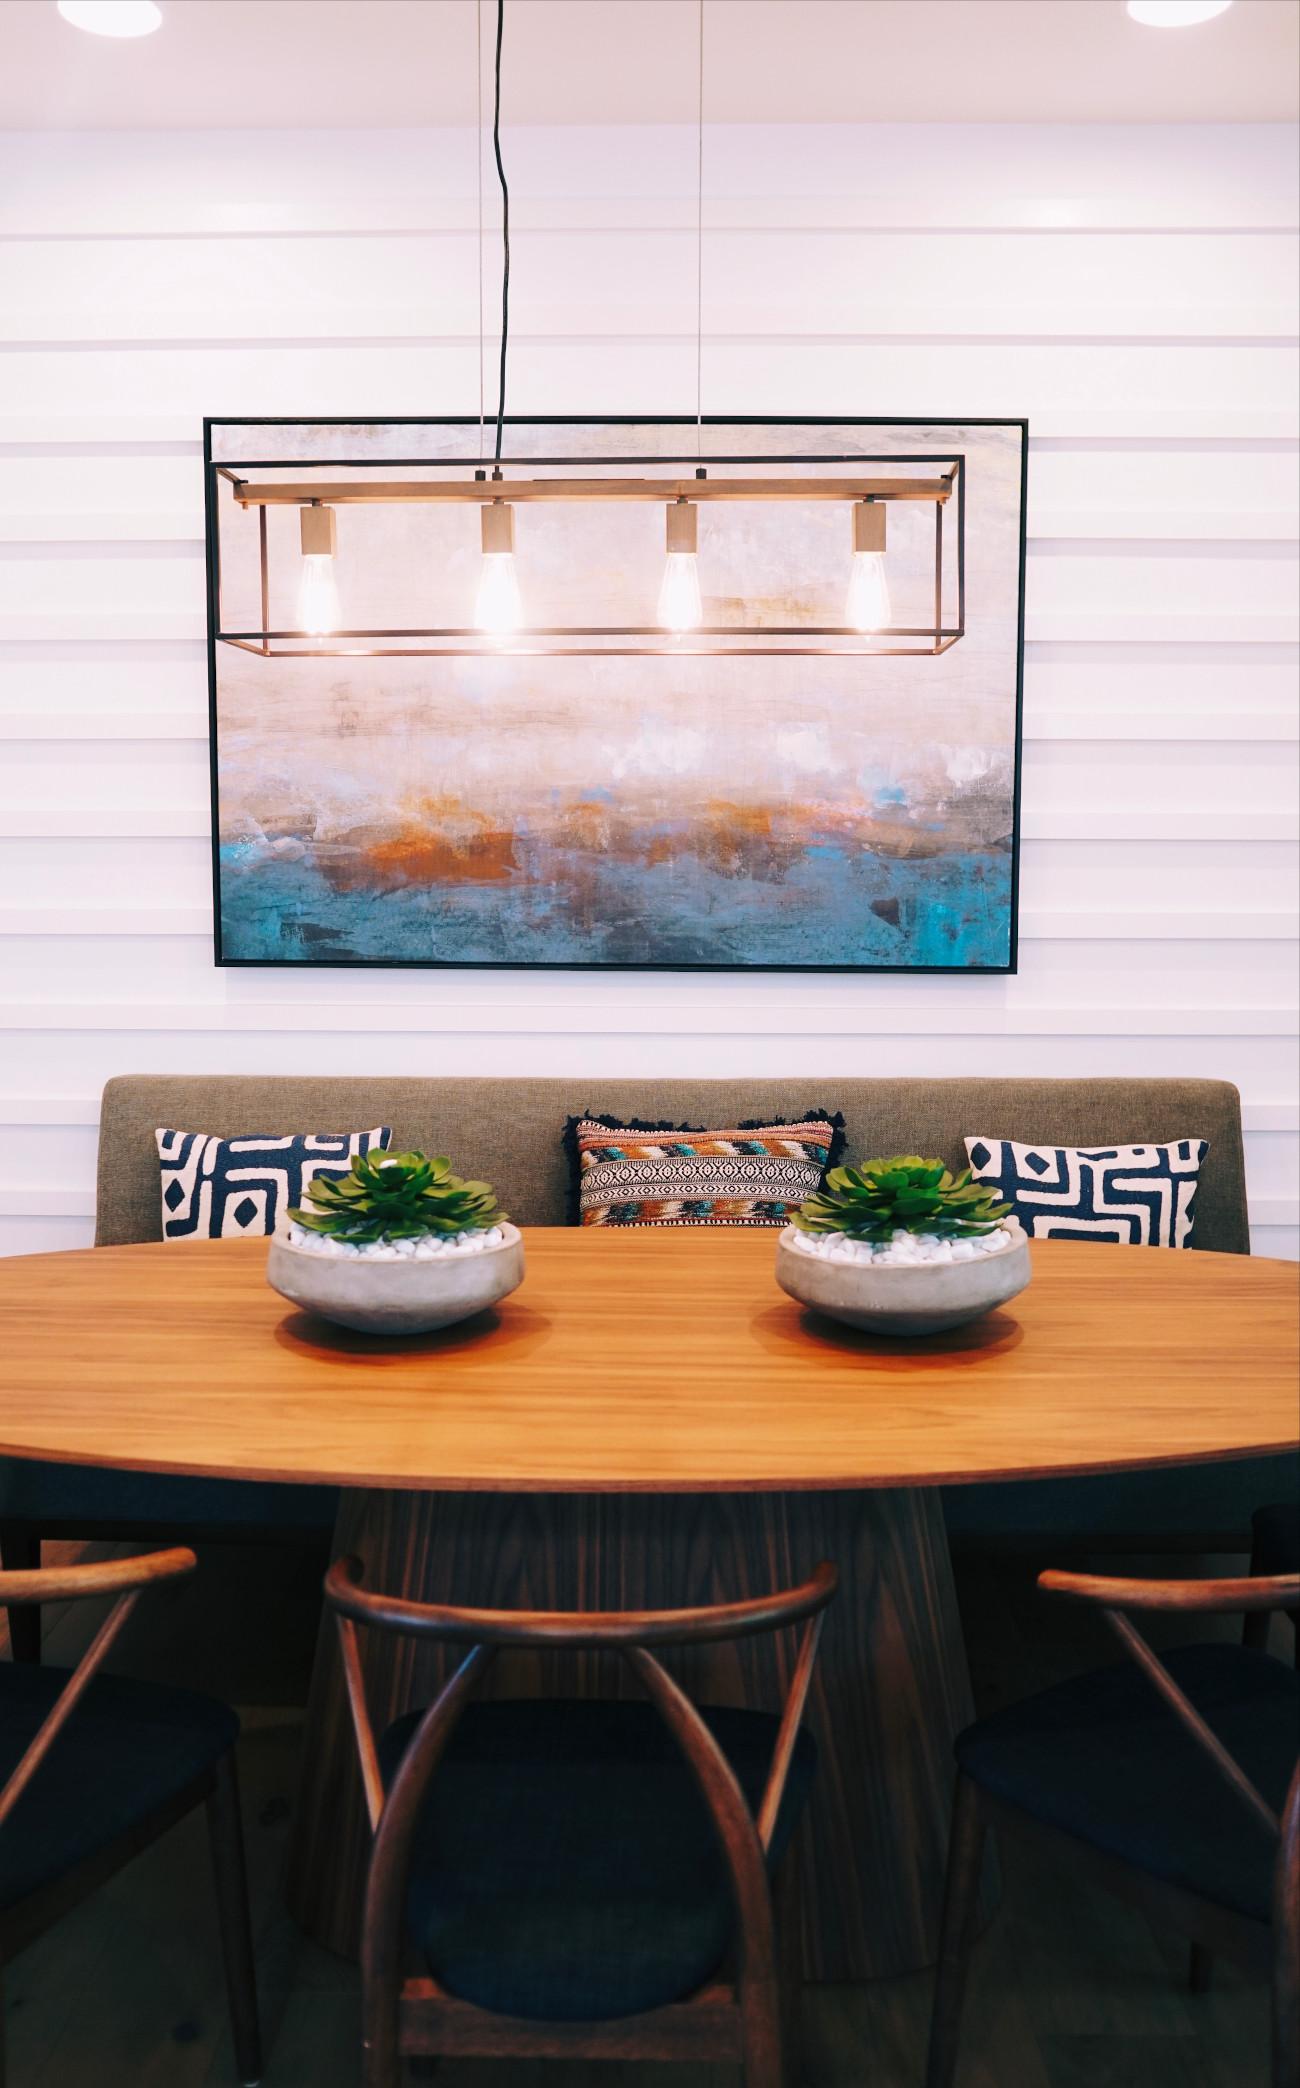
(1176, 14)
(112, 17)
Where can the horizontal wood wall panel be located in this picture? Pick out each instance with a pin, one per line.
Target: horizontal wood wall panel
(1131, 291)
(848, 1016)
(1239, 177)
(1075, 590)
(1047, 822)
(1122, 926)
(1147, 876)
(1084, 428)
(1097, 285)
(772, 375)
(1106, 974)
(77, 1059)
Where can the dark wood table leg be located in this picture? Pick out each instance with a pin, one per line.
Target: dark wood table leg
(892, 1687)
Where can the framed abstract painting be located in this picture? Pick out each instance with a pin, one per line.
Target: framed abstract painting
(808, 760)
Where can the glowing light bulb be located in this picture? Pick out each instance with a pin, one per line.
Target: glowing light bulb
(112, 17)
(318, 595)
(680, 607)
(868, 607)
(498, 606)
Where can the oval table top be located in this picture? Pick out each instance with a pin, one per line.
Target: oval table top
(665, 1360)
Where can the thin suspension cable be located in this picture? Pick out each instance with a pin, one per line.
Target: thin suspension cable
(505, 233)
(478, 154)
(699, 246)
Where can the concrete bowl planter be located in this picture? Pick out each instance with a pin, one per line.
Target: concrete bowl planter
(407, 1295)
(894, 1299)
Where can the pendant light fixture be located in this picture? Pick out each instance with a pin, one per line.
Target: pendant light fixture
(498, 607)
(868, 608)
(864, 481)
(680, 607)
(318, 595)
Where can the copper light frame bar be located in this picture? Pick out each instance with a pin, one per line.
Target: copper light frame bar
(452, 642)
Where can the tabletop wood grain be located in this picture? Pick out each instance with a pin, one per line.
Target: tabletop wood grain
(662, 1360)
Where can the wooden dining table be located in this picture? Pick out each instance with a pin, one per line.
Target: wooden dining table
(650, 1421)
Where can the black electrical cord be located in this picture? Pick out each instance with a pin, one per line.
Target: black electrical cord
(505, 234)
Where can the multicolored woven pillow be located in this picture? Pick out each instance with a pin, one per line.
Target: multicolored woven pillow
(678, 1174)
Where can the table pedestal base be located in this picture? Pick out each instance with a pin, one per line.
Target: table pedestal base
(891, 1689)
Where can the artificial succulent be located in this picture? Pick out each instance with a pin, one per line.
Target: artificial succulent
(396, 1196)
(905, 1194)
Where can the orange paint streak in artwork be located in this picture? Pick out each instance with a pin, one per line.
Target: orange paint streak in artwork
(440, 841)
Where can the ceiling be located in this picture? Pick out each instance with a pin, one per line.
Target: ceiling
(364, 63)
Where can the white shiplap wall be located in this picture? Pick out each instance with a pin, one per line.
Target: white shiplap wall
(1131, 290)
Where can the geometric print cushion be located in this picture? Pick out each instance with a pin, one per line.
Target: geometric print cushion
(673, 1174)
(238, 1188)
(1140, 1195)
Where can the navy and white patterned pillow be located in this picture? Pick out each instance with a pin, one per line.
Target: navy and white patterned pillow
(240, 1188)
(1140, 1195)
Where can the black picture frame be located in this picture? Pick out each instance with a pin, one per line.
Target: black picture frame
(211, 422)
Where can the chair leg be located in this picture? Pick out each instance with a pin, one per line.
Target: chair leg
(20, 1552)
(227, 1843)
(961, 1890)
(760, 2033)
(1200, 1969)
(788, 1912)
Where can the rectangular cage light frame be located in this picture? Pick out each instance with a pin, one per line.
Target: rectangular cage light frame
(946, 490)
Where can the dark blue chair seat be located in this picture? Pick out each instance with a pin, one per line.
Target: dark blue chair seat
(54, 1495)
(1104, 1759)
(128, 1748)
(1276, 1534)
(566, 1867)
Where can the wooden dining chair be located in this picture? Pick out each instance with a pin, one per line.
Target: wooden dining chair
(1274, 1549)
(586, 1878)
(94, 1767)
(1173, 1783)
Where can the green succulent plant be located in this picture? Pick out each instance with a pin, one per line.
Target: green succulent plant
(905, 1194)
(396, 1196)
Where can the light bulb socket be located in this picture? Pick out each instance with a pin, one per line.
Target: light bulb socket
(682, 525)
(868, 526)
(318, 531)
(498, 523)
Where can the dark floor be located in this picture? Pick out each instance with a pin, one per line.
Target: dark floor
(1071, 1990)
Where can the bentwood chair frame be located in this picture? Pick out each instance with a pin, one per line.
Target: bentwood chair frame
(744, 2017)
(215, 1789)
(1213, 1929)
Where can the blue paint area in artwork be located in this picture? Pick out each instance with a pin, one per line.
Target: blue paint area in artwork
(830, 906)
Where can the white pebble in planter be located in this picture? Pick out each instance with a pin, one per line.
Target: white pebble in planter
(909, 1284)
(397, 1286)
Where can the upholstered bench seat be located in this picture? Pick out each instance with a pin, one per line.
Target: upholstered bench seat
(566, 1868)
(127, 1750)
(1104, 1759)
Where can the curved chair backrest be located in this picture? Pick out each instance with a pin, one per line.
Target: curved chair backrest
(124, 1579)
(630, 1634)
(1279, 1591)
